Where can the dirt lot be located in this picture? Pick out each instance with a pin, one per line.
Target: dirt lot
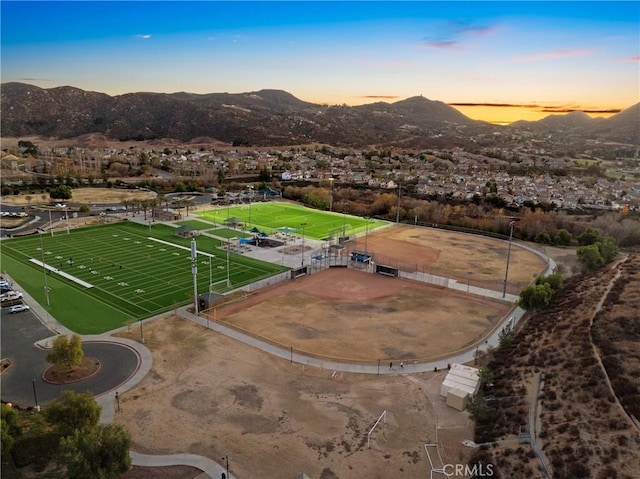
(80, 195)
(210, 395)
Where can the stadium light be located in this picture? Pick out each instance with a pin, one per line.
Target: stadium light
(44, 269)
(194, 272)
(331, 196)
(303, 225)
(250, 197)
(366, 233)
(506, 273)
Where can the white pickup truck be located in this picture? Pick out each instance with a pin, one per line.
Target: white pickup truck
(11, 296)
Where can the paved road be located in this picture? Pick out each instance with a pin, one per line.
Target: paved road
(21, 332)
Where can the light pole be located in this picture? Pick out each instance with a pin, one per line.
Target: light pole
(506, 273)
(303, 225)
(366, 233)
(35, 396)
(226, 460)
(44, 270)
(194, 272)
(331, 196)
(250, 198)
(399, 198)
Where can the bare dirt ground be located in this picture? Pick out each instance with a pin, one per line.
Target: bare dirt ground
(358, 316)
(208, 394)
(80, 195)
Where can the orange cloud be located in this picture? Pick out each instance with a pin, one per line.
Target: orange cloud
(541, 108)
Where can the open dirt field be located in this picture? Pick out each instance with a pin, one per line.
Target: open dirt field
(350, 314)
(208, 394)
(477, 259)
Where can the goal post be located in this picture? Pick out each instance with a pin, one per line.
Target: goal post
(383, 418)
(226, 282)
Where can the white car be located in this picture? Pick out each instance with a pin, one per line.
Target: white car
(18, 308)
(11, 296)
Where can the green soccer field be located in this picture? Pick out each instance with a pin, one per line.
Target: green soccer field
(103, 277)
(286, 217)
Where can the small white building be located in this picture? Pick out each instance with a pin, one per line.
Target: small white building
(461, 383)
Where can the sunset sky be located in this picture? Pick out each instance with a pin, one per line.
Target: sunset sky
(494, 61)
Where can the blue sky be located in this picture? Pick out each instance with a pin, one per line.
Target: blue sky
(497, 61)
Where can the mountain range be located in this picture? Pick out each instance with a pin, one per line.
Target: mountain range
(271, 118)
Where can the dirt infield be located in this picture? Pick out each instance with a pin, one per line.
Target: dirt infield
(357, 316)
(476, 259)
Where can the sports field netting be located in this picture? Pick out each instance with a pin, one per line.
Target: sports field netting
(133, 272)
(274, 217)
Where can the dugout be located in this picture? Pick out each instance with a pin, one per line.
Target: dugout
(360, 257)
(208, 300)
(387, 270)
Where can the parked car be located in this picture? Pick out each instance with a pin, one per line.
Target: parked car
(5, 289)
(11, 296)
(18, 308)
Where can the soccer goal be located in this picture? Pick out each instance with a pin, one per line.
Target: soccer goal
(226, 282)
(383, 418)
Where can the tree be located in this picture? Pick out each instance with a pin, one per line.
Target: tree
(9, 428)
(589, 236)
(477, 407)
(62, 192)
(554, 280)
(535, 296)
(543, 237)
(563, 237)
(607, 248)
(66, 353)
(101, 452)
(590, 257)
(485, 375)
(72, 412)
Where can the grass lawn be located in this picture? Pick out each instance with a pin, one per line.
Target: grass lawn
(106, 276)
(273, 216)
(196, 225)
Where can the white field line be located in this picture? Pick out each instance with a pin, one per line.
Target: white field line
(180, 247)
(62, 273)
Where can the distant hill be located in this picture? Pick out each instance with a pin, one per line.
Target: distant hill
(261, 118)
(623, 127)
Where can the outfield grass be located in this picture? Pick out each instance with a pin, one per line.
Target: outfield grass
(134, 272)
(272, 216)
